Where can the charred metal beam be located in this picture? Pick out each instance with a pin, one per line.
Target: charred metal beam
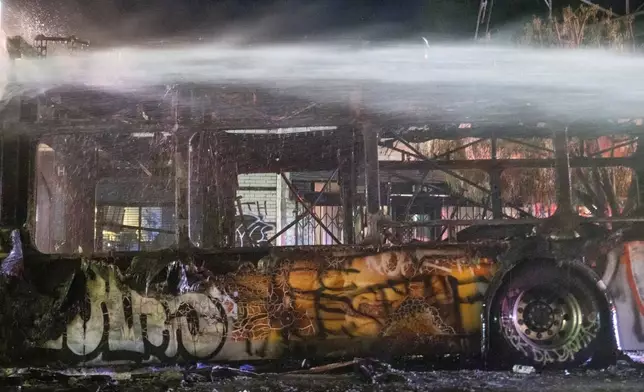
(431, 163)
(445, 129)
(17, 156)
(181, 204)
(502, 222)
(562, 169)
(400, 150)
(426, 164)
(130, 125)
(412, 132)
(67, 40)
(112, 225)
(371, 138)
(529, 145)
(614, 147)
(41, 42)
(451, 217)
(390, 144)
(182, 235)
(461, 198)
(372, 169)
(217, 173)
(582, 146)
(488, 164)
(348, 181)
(459, 148)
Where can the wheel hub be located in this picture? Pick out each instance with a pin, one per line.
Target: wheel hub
(539, 319)
(539, 316)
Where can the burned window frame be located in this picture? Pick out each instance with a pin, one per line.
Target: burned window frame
(268, 225)
(116, 169)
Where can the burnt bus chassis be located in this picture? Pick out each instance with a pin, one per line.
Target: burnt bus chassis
(42, 293)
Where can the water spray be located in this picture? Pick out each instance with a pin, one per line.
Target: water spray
(462, 80)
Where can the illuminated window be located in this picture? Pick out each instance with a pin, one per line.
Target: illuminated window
(134, 228)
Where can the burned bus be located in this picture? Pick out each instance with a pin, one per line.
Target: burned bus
(232, 223)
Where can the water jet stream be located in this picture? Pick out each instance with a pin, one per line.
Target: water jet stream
(464, 81)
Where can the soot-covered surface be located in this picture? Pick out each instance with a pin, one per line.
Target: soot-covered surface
(359, 376)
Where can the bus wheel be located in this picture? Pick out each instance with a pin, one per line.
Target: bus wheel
(547, 317)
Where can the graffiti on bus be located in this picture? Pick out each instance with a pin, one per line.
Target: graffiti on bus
(335, 304)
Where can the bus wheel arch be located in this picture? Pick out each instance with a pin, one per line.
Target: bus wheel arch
(512, 334)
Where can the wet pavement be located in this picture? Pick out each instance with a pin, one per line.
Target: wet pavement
(357, 377)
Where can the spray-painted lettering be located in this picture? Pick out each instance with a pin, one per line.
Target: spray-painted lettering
(115, 325)
(421, 301)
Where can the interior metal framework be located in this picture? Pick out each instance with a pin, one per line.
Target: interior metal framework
(348, 140)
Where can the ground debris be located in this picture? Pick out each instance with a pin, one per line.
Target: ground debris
(377, 372)
(325, 368)
(521, 369)
(369, 370)
(357, 375)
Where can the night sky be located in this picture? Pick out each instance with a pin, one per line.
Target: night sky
(261, 20)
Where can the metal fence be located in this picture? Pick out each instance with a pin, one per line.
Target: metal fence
(310, 232)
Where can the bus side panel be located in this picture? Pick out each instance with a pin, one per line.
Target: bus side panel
(386, 304)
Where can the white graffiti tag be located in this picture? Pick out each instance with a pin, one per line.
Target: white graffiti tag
(127, 326)
(543, 356)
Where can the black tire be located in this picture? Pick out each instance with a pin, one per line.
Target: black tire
(547, 317)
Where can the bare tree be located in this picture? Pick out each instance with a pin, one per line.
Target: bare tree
(586, 26)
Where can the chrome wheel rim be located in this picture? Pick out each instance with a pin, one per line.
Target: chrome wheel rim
(547, 318)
